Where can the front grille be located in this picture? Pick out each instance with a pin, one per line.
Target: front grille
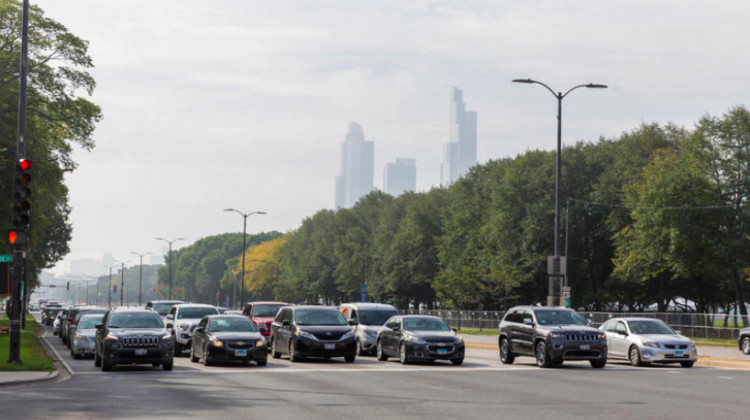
(328, 336)
(140, 341)
(581, 337)
(240, 345)
(676, 356)
(676, 346)
(436, 348)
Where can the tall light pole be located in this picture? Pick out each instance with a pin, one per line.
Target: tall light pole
(169, 261)
(244, 236)
(140, 278)
(554, 269)
(122, 281)
(109, 287)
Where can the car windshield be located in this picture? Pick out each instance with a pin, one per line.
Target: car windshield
(425, 324)
(89, 321)
(135, 320)
(266, 310)
(375, 317)
(555, 317)
(196, 313)
(319, 317)
(650, 327)
(79, 315)
(231, 324)
(163, 308)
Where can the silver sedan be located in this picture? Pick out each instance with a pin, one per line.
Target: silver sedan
(84, 339)
(644, 340)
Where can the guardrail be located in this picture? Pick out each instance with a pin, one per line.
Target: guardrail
(694, 325)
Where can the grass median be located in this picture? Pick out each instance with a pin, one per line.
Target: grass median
(33, 353)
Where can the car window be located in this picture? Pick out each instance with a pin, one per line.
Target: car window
(231, 324)
(171, 311)
(89, 321)
(375, 317)
(609, 326)
(203, 322)
(620, 328)
(425, 324)
(265, 310)
(558, 317)
(196, 313)
(650, 327)
(281, 315)
(134, 320)
(163, 308)
(318, 317)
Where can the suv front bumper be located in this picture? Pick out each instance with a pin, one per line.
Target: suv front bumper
(559, 351)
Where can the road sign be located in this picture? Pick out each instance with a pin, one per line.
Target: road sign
(6, 258)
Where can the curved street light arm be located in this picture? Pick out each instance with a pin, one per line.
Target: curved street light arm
(538, 83)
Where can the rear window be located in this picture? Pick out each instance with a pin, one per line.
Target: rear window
(266, 310)
(375, 317)
(196, 313)
(89, 321)
(163, 308)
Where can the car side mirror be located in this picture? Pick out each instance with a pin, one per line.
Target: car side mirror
(200, 329)
(99, 326)
(528, 321)
(589, 321)
(397, 329)
(170, 316)
(353, 322)
(170, 325)
(678, 332)
(285, 322)
(454, 330)
(262, 328)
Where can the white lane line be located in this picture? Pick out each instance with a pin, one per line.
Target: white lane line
(60, 358)
(726, 377)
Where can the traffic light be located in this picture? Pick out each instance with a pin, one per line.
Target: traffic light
(17, 237)
(21, 194)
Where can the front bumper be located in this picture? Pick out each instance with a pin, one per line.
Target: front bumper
(435, 351)
(306, 347)
(83, 347)
(230, 354)
(367, 341)
(662, 355)
(566, 350)
(127, 355)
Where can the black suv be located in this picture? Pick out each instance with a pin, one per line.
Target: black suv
(312, 331)
(132, 336)
(551, 335)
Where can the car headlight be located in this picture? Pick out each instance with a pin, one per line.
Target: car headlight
(370, 331)
(347, 335)
(184, 326)
(167, 337)
(691, 345)
(556, 335)
(650, 344)
(414, 339)
(306, 335)
(260, 343)
(80, 337)
(217, 343)
(459, 339)
(601, 336)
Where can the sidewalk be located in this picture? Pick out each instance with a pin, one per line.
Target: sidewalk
(17, 378)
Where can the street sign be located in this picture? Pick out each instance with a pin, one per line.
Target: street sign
(6, 258)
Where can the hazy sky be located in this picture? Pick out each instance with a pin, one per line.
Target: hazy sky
(240, 103)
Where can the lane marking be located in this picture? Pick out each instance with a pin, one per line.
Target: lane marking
(59, 358)
(726, 377)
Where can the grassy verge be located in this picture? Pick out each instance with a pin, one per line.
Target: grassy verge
(715, 342)
(478, 332)
(33, 354)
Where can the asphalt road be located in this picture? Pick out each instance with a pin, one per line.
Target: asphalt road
(482, 388)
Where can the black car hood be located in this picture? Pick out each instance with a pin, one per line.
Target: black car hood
(236, 335)
(434, 336)
(133, 332)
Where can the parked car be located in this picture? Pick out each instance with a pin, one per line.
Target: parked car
(645, 340)
(744, 340)
(64, 323)
(419, 338)
(83, 342)
(551, 335)
(132, 336)
(75, 316)
(162, 307)
(370, 318)
(263, 313)
(49, 315)
(56, 323)
(182, 319)
(228, 338)
(312, 331)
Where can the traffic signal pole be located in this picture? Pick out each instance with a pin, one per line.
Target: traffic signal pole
(19, 255)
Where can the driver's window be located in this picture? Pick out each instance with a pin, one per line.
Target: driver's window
(354, 314)
(620, 329)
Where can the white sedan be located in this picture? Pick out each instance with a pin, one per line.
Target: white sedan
(645, 340)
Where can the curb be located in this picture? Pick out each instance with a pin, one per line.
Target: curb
(50, 376)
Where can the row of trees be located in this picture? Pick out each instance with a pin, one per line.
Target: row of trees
(658, 213)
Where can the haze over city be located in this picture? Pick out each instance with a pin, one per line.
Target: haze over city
(209, 105)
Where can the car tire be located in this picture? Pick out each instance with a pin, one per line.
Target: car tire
(262, 362)
(350, 359)
(274, 351)
(192, 355)
(379, 353)
(598, 363)
(168, 366)
(97, 360)
(687, 364)
(292, 350)
(206, 359)
(106, 366)
(457, 362)
(542, 355)
(506, 354)
(403, 357)
(634, 355)
(746, 345)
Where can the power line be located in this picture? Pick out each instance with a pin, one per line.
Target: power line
(712, 207)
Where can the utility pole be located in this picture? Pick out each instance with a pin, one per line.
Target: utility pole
(244, 237)
(169, 262)
(140, 277)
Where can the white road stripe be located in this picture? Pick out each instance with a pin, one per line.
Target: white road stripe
(60, 358)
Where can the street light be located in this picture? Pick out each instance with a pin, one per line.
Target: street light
(169, 262)
(244, 235)
(556, 265)
(122, 281)
(109, 287)
(140, 278)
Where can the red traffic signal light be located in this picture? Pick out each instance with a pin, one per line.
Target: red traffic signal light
(17, 237)
(24, 164)
(21, 194)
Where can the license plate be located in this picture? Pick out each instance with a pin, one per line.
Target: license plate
(141, 352)
(442, 351)
(678, 353)
(331, 346)
(585, 347)
(240, 353)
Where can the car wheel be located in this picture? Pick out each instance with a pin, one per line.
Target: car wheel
(192, 355)
(97, 360)
(262, 362)
(350, 359)
(292, 350)
(106, 366)
(635, 356)
(746, 345)
(168, 366)
(506, 355)
(457, 362)
(402, 356)
(687, 364)
(379, 353)
(206, 360)
(542, 357)
(274, 351)
(599, 363)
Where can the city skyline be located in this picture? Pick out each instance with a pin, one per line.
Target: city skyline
(357, 167)
(460, 153)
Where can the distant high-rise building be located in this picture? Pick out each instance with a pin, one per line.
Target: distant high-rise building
(357, 166)
(460, 153)
(400, 177)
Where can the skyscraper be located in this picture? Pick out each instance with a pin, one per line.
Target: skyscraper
(400, 177)
(357, 157)
(460, 153)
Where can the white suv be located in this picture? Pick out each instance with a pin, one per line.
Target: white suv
(181, 321)
(370, 317)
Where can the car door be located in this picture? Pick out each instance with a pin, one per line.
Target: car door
(394, 338)
(525, 332)
(100, 334)
(620, 340)
(199, 337)
(284, 332)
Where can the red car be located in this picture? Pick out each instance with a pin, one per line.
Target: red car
(263, 313)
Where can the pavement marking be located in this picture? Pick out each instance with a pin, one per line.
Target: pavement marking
(60, 358)
(726, 377)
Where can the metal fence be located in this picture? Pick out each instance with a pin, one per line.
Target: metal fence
(694, 325)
